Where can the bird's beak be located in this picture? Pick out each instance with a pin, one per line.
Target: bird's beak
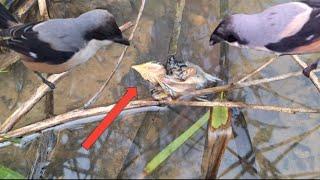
(122, 40)
(214, 39)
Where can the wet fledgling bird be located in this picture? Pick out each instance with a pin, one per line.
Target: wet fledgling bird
(58, 45)
(289, 28)
(174, 78)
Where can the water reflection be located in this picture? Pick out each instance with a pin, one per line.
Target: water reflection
(265, 145)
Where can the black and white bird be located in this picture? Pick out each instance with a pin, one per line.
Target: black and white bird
(58, 45)
(289, 28)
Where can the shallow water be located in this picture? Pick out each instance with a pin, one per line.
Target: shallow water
(284, 145)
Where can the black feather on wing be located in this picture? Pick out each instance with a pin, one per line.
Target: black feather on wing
(24, 40)
(308, 34)
(312, 3)
(6, 19)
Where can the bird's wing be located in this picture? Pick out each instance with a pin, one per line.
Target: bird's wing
(23, 39)
(61, 34)
(308, 34)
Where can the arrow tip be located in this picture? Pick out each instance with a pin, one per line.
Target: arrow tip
(132, 90)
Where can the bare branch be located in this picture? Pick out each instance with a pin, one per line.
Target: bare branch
(83, 113)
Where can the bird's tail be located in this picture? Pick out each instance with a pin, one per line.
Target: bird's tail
(6, 18)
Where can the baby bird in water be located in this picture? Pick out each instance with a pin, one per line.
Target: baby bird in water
(174, 78)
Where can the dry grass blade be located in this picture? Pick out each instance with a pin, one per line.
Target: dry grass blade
(41, 91)
(217, 144)
(97, 95)
(216, 141)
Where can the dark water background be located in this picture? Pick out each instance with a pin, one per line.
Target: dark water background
(278, 140)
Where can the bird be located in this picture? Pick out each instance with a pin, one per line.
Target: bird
(58, 45)
(291, 28)
(174, 78)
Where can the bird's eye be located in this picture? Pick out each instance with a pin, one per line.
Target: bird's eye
(232, 38)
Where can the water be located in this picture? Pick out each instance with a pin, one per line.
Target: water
(283, 145)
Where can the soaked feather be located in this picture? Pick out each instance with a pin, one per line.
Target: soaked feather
(175, 78)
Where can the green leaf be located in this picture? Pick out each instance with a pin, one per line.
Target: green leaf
(219, 116)
(13, 140)
(173, 146)
(6, 173)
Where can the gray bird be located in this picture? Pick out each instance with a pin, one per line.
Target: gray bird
(58, 45)
(289, 28)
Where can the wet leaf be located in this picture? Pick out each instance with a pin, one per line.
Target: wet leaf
(150, 71)
(6, 173)
(219, 117)
(173, 146)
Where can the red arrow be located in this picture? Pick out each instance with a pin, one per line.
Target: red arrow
(110, 117)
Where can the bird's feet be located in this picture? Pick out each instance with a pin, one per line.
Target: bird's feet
(44, 80)
(306, 71)
(50, 84)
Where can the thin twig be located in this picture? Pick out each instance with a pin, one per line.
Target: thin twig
(95, 97)
(313, 76)
(257, 70)
(245, 84)
(241, 105)
(41, 91)
(83, 113)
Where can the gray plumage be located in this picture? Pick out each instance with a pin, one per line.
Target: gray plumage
(259, 30)
(68, 34)
(267, 27)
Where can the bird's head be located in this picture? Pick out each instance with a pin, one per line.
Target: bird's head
(225, 31)
(102, 26)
